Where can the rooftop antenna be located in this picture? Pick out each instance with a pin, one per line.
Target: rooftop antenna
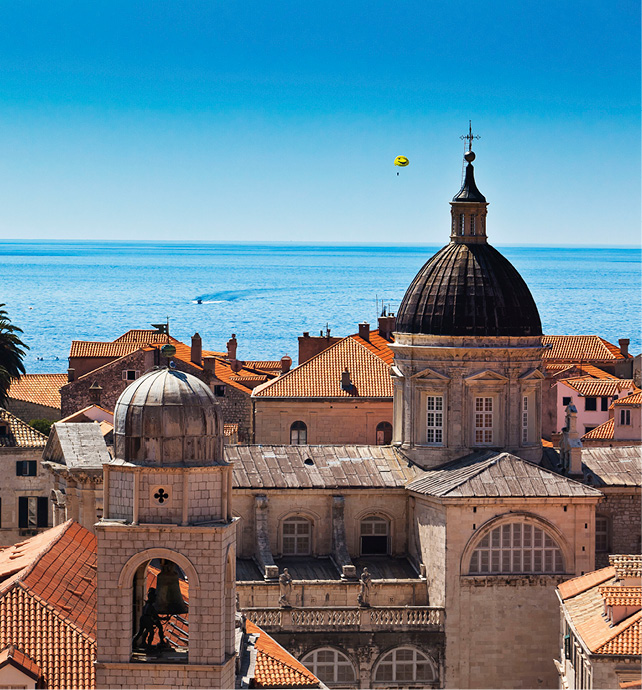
(468, 140)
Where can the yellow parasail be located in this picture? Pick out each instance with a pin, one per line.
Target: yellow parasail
(401, 161)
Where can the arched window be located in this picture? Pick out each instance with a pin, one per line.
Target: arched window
(296, 533)
(330, 666)
(516, 547)
(375, 536)
(384, 433)
(298, 434)
(405, 665)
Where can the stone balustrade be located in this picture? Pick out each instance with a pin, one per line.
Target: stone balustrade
(319, 619)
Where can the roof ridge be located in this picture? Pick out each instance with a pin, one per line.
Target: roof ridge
(113, 361)
(17, 419)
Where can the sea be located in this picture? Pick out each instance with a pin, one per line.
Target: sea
(269, 294)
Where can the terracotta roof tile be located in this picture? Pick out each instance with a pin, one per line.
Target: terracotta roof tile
(21, 660)
(90, 348)
(573, 587)
(144, 335)
(265, 365)
(241, 380)
(635, 399)
(603, 432)
(320, 376)
(380, 346)
(229, 429)
(41, 389)
(630, 684)
(276, 667)
(19, 434)
(580, 348)
(49, 581)
(627, 565)
(599, 387)
(618, 595)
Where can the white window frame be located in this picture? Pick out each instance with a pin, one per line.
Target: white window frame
(340, 661)
(484, 416)
(370, 522)
(299, 536)
(416, 658)
(517, 548)
(435, 417)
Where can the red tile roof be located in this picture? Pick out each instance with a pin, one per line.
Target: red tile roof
(48, 603)
(375, 343)
(146, 336)
(320, 376)
(603, 432)
(90, 348)
(580, 348)
(19, 433)
(573, 587)
(634, 399)
(40, 389)
(21, 660)
(589, 387)
(276, 667)
(619, 595)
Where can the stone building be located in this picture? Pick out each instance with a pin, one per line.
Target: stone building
(36, 396)
(24, 486)
(601, 614)
(624, 426)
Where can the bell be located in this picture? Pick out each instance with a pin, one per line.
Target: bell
(169, 600)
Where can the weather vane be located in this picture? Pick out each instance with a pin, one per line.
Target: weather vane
(470, 136)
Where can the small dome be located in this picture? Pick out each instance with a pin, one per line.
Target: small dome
(168, 417)
(469, 289)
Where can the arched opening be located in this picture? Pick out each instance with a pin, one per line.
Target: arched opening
(296, 536)
(330, 666)
(384, 434)
(160, 605)
(374, 536)
(405, 666)
(298, 433)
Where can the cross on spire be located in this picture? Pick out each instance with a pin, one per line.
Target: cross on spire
(470, 136)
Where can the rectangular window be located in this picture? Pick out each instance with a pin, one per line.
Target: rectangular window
(26, 468)
(483, 420)
(605, 404)
(525, 419)
(130, 374)
(601, 534)
(625, 417)
(462, 223)
(219, 391)
(590, 404)
(588, 428)
(566, 400)
(435, 419)
(33, 512)
(472, 225)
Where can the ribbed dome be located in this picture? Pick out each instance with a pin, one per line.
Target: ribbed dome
(469, 289)
(167, 417)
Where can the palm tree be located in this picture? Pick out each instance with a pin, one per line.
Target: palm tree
(12, 351)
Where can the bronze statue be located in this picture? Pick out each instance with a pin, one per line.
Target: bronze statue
(149, 622)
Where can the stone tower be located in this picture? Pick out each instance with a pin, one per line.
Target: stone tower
(167, 508)
(468, 348)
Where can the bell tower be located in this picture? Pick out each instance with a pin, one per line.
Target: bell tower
(166, 543)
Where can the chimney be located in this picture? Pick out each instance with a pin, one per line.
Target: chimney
(286, 363)
(364, 331)
(346, 382)
(387, 325)
(231, 348)
(71, 375)
(197, 350)
(624, 346)
(95, 393)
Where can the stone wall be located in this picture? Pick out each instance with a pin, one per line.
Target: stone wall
(331, 421)
(236, 407)
(28, 411)
(622, 508)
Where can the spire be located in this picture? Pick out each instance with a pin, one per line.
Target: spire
(469, 191)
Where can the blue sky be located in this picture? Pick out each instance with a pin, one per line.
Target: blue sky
(234, 120)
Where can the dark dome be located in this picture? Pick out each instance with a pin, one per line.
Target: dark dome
(469, 289)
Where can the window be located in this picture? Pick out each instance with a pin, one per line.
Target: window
(33, 512)
(330, 666)
(384, 433)
(130, 374)
(588, 428)
(472, 225)
(462, 223)
(590, 404)
(296, 536)
(219, 391)
(435, 419)
(404, 665)
(625, 417)
(298, 434)
(26, 468)
(483, 420)
(517, 548)
(605, 404)
(374, 536)
(525, 419)
(567, 400)
(601, 534)
(4, 430)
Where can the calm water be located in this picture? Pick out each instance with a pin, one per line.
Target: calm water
(269, 294)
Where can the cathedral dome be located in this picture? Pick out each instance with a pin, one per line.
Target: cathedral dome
(168, 417)
(469, 289)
